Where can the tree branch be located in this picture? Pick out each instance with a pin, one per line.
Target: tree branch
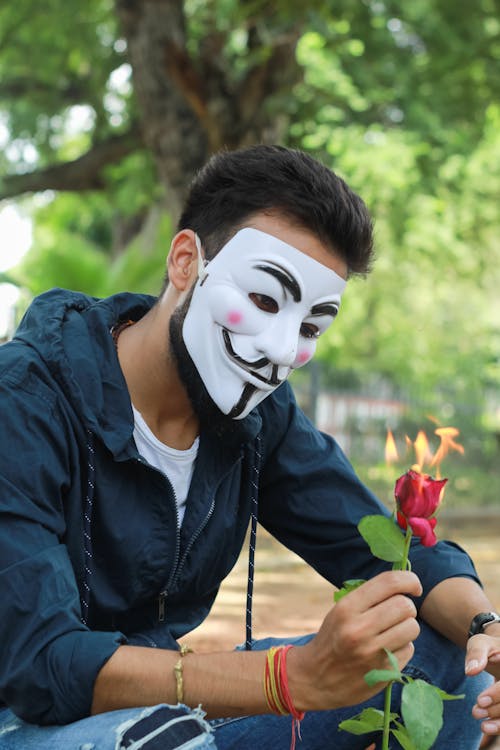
(279, 70)
(84, 173)
(74, 91)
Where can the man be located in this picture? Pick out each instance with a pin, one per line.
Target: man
(141, 435)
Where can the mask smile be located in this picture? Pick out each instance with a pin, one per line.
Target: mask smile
(249, 367)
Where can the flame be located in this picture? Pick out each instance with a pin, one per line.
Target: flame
(391, 452)
(432, 418)
(423, 453)
(447, 444)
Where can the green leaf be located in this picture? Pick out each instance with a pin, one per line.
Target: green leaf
(404, 738)
(369, 720)
(392, 659)
(422, 711)
(350, 585)
(448, 696)
(385, 539)
(381, 675)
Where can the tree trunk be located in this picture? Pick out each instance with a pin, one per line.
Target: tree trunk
(191, 108)
(170, 127)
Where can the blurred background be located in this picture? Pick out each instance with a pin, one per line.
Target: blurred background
(107, 109)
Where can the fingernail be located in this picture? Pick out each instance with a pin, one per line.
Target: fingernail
(484, 701)
(490, 727)
(481, 713)
(472, 664)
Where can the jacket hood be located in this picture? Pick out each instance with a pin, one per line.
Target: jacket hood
(70, 332)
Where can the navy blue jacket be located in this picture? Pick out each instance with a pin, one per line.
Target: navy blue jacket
(65, 413)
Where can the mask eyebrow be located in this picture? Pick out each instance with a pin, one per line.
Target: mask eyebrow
(286, 279)
(326, 308)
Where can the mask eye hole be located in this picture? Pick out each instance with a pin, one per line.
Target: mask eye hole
(264, 302)
(309, 331)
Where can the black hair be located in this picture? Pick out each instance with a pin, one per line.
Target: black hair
(234, 185)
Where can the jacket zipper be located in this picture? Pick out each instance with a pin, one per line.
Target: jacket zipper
(162, 597)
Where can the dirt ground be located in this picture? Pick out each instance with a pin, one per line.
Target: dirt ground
(291, 599)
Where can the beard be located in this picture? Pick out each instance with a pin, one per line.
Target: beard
(205, 408)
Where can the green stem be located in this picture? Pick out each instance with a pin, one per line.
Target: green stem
(405, 563)
(387, 716)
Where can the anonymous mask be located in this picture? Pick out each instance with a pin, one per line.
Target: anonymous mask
(256, 312)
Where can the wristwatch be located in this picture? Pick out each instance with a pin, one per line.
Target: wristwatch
(481, 621)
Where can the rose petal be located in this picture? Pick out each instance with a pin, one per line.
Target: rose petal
(418, 495)
(424, 529)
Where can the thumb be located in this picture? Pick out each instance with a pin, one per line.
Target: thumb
(476, 657)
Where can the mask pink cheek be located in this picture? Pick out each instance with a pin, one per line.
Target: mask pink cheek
(234, 317)
(303, 356)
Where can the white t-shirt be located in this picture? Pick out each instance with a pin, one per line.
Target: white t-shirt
(178, 466)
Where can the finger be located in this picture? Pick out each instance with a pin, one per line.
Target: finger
(488, 702)
(490, 713)
(404, 654)
(490, 727)
(383, 587)
(478, 651)
(399, 636)
(389, 613)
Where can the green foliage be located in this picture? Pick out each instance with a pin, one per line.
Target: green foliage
(72, 249)
(421, 709)
(54, 56)
(401, 99)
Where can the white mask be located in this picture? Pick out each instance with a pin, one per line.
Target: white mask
(256, 313)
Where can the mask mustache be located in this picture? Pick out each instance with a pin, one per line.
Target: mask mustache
(251, 366)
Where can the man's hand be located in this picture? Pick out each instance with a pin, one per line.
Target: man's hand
(329, 671)
(325, 673)
(483, 652)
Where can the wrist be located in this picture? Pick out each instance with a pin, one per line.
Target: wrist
(493, 630)
(299, 680)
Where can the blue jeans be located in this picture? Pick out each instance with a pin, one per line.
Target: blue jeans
(180, 728)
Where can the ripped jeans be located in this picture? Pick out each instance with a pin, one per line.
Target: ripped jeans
(180, 728)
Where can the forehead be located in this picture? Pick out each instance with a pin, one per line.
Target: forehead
(266, 254)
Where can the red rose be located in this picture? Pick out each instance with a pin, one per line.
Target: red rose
(417, 498)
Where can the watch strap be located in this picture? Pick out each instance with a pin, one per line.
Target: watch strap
(481, 621)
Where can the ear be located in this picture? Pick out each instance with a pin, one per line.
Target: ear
(182, 260)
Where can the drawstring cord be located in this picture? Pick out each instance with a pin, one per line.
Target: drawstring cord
(87, 520)
(254, 508)
(87, 539)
